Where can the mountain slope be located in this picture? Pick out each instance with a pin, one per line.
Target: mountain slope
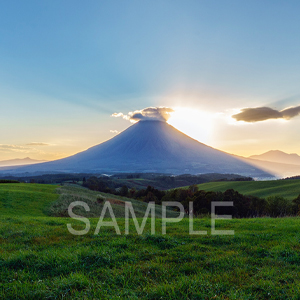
(278, 157)
(278, 169)
(150, 146)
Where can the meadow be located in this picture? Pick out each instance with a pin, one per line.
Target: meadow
(289, 189)
(40, 259)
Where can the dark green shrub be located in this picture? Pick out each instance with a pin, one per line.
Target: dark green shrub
(279, 206)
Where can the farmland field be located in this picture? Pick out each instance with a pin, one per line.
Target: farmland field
(288, 189)
(40, 259)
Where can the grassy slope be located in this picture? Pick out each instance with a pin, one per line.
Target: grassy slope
(42, 199)
(74, 193)
(288, 189)
(40, 259)
(26, 199)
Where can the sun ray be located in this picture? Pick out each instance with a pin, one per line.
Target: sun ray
(195, 123)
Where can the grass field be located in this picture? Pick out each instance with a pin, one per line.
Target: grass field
(40, 259)
(288, 189)
(26, 199)
(19, 199)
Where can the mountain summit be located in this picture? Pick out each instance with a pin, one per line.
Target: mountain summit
(149, 146)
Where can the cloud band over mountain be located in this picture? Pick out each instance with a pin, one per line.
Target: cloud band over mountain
(258, 114)
(147, 114)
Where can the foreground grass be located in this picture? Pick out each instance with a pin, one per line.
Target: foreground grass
(40, 259)
(289, 189)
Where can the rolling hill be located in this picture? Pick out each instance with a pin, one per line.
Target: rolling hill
(23, 199)
(37, 200)
(288, 189)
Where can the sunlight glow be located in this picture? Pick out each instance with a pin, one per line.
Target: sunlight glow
(194, 123)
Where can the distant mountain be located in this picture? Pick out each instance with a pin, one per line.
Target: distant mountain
(278, 157)
(149, 146)
(19, 162)
(277, 169)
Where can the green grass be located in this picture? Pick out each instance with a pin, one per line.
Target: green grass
(26, 199)
(73, 193)
(40, 259)
(52, 200)
(288, 189)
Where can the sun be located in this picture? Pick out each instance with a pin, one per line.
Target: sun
(193, 122)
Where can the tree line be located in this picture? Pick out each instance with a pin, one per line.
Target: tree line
(245, 206)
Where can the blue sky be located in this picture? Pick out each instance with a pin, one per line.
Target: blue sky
(66, 66)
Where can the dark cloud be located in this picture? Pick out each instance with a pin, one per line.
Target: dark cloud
(292, 112)
(147, 114)
(137, 117)
(265, 113)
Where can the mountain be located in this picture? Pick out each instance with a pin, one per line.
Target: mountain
(19, 162)
(149, 146)
(278, 157)
(279, 170)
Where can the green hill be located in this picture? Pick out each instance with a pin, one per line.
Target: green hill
(288, 189)
(40, 259)
(26, 199)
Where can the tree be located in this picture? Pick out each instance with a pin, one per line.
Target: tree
(150, 197)
(193, 188)
(124, 190)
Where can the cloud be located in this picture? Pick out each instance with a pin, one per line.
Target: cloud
(37, 144)
(9, 148)
(147, 114)
(6, 146)
(266, 113)
(291, 112)
(117, 115)
(14, 148)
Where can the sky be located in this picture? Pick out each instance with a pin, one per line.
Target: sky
(67, 66)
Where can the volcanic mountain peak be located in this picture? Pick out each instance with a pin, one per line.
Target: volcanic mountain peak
(149, 146)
